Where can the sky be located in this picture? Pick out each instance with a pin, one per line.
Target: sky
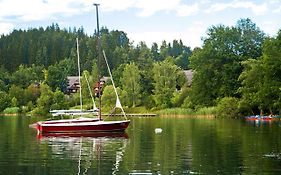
(143, 20)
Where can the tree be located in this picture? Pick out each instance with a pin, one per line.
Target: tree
(5, 100)
(217, 65)
(57, 74)
(4, 79)
(86, 94)
(59, 101)
(18, 93)
(131, 83)
(272, 80)
(25, 76)
(109, 97)
(155, 52)
(164, 76)
(261, 81)
(251, 80)
(204, 88)
(45, 101)
(251, 39)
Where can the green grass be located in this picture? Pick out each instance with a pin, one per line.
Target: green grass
(186, 111)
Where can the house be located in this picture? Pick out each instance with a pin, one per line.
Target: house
(189, 76)
(99, 86)
(73, 84)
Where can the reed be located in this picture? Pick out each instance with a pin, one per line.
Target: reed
(187, 111)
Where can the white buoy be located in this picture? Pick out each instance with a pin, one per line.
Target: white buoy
(158, 130)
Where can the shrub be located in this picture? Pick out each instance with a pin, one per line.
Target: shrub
(12, 110)
(228, 108)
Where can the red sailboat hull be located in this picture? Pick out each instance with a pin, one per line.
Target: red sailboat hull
(98, 126)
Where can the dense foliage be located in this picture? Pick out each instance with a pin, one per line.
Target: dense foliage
(35, 64)
(237, 66)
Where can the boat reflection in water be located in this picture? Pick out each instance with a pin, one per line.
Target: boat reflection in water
(94, 153)
(86, 135)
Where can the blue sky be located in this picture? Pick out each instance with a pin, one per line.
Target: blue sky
(143, 20)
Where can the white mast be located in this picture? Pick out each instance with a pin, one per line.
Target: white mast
(79, 76)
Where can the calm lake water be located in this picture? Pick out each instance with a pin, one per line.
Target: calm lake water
(185, 146)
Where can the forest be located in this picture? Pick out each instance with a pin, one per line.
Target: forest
(236, 72)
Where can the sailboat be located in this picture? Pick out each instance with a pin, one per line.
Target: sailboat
(76, 112)
(90, 126)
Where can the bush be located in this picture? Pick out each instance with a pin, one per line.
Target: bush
(12, 110)
(228, 108)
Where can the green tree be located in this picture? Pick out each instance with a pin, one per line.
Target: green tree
(4, 79)
(217, 65)
(5, 100)
(32, 93)
(251, 39)
(109, 97)
(57, 74)
(59, 100)
(260, 81)
(86, 94)
(25, 76)
(204, 89)
(45, 101)
(251, 80)
(272, 80)
(164, 75)
(131, 83)
(18, 93)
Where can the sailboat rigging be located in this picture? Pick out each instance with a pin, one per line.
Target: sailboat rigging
(77, 112)
(91, 126)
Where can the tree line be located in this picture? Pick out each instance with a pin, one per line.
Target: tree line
(236, 70)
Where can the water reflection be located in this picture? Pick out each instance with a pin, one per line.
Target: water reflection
(89, 150)
(259, 123)
(184, 146)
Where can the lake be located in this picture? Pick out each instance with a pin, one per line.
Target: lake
(185, 146)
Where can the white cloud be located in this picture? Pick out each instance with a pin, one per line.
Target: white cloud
(5, 28)
(270, 27)
(30, 10)
(277, 10)
(149, 7)
(116, 5)
(189, 35)
(255, 8)
(146, 8)
(185, 10)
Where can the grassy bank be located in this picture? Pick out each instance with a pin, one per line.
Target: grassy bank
(183, 111)
(142, 110)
